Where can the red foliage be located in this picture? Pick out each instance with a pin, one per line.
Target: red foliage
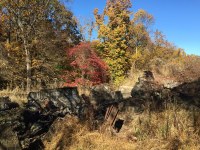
(87, 67)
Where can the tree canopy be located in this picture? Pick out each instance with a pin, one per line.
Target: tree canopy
(43, 40)
(35, 33)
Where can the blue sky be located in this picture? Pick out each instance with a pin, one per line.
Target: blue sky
(179, 20)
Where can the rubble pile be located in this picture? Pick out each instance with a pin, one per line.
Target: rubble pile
(26, 125)
(31, 121)
(147, 93)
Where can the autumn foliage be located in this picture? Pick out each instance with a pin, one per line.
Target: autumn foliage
(86, 67)
(33, 43)
(113, 35)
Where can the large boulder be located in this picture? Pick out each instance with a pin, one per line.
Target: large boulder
(148, 93)
(188, 92)
(100, 94)
(26, 125)
(145, 87)
(62, 100)
(42, 109)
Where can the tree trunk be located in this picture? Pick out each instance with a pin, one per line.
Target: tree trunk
(133, 67)
(28, 68)
(136, 51)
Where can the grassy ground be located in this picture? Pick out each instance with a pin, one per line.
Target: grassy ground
(16, 95)
(171, 129)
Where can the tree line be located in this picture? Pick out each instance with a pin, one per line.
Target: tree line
(42, 39)
(34, 36)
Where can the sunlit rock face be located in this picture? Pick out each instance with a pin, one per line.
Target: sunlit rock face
(62, 100)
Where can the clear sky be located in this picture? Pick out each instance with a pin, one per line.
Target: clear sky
(179, 20)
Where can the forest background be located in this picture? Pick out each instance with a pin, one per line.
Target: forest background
(43, 43)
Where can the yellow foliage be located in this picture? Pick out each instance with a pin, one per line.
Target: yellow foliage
(8, 45)
(113, 36)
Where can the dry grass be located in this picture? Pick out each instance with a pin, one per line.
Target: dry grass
(172, 129)
(17, 95)
(99, 141)
(70, 134)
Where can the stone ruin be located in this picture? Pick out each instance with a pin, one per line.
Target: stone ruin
(149, 92)
(22, 127)
(28, 123)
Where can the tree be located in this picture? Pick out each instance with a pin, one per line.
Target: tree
(140, 41)
(24, 16)
(86, 68)
(86, 27)
(113, 32)
(144, 18)
(39, 28)
(139, 31)
(159, 39)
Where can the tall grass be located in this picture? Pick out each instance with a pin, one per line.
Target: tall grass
(16, 95)
(171, 129)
